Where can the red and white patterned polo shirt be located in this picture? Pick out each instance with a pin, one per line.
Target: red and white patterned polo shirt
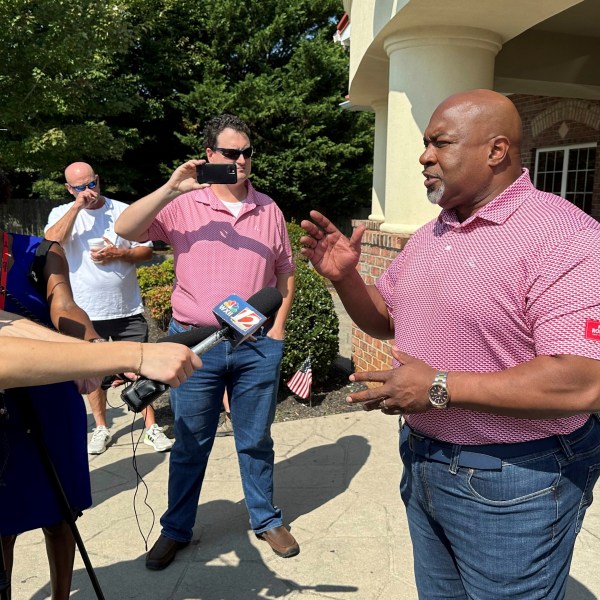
(518, 279)
(217, 254)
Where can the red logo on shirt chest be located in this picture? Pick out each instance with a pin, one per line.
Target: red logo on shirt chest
(592, 329)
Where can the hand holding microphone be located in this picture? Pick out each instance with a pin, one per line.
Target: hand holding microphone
(239, 321)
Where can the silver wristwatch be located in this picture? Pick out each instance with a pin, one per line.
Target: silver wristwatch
(438, 392)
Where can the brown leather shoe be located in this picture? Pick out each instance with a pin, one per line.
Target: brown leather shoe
(163, 552)
(281, 540)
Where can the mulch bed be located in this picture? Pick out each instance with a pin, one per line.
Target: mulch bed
(326, 399)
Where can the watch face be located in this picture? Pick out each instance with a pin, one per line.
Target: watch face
(438, 395)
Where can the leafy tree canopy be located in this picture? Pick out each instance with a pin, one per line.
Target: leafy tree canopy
(58, 84)
(128, 86)
(275, 65)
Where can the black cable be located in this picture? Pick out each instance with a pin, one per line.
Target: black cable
(138, 476)
(139, 479)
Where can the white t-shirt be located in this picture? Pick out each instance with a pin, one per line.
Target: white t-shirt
(104, 291)
(235, 208)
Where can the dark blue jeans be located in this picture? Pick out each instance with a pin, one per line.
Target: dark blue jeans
(251, 374)
(497, 533)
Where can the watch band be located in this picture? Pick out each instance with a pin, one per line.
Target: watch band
(438, 392)
(441, 377)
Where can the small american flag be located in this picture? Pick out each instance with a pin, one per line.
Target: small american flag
(302, 380)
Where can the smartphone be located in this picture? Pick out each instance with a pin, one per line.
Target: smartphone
(217, 173)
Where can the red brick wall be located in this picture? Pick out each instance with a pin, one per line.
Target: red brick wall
(543, 120)
(378, 251)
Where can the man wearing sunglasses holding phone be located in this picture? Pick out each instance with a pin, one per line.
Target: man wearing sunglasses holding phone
(103, 277)
(227, 238)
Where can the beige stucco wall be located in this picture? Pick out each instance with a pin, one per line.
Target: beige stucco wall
(407, 55)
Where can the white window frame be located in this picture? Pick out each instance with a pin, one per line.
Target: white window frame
(565, 149)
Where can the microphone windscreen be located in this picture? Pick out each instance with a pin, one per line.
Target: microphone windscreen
(266, 301)
(190, 338)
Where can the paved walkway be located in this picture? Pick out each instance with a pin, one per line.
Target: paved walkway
(337, 481)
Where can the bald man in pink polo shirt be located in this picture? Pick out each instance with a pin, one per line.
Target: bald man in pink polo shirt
(226, 239)
(495, 311)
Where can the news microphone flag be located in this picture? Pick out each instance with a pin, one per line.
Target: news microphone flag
(301, 382)
(240, 317)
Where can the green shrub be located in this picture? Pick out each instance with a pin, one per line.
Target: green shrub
(156, 285)
(312, 326)
(155, 275)
(158, 303)
(295, 232)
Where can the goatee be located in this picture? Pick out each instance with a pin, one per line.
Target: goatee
(434, 196)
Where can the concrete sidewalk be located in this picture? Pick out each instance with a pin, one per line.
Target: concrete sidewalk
(337, 482)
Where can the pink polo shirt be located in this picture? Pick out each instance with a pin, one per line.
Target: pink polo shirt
(518, 279)
(217, 254)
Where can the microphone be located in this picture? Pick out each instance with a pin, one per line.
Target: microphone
(239, 321)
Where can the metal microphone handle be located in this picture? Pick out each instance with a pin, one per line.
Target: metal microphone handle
(143, 391)
(210, 342)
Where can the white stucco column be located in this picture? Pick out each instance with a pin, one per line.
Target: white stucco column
(425, 66)
(380, 143)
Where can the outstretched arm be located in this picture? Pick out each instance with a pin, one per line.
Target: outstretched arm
(35, 355)
(134, 222)
(67, 316)
(546, 387)
(336, 257)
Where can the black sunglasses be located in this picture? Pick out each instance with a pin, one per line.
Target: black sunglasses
(85, 186)
(234, 154)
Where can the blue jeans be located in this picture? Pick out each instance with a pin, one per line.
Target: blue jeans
(250, 373)
(497, 533)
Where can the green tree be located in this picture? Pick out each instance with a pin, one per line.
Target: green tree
(59, 87)
(275, 65)
(128, 86)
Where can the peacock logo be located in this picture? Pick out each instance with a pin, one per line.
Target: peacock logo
(231, 305)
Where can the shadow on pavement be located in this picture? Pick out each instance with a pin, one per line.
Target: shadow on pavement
(222, 563)
(578, 591)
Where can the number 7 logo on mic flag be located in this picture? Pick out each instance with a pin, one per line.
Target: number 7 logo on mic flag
(301, 382)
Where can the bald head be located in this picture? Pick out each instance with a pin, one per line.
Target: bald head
(487, 115)
(472, 150)
(84, 185)
(78, 171)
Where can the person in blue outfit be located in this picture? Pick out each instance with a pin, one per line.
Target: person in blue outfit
(27, 499)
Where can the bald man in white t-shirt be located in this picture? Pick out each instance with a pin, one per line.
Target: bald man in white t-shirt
(104, 281)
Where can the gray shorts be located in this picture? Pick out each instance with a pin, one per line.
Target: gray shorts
(126, 329)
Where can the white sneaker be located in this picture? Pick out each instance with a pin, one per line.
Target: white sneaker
(100, 440)
(157, 439)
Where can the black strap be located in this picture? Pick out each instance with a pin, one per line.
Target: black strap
(36, 273)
